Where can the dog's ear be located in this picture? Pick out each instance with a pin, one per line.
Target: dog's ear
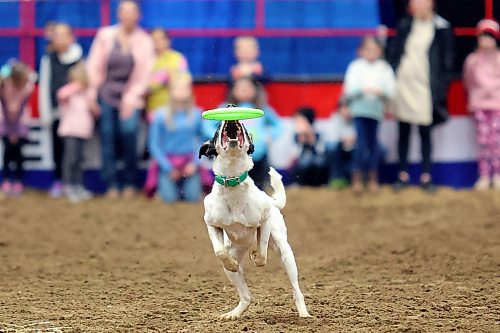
(207, 149)
(251, 146)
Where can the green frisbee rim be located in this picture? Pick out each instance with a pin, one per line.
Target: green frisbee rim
(232, 113)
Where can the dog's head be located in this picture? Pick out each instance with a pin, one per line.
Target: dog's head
(231, 137)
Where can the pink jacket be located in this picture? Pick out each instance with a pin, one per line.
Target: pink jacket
(14, 99)
(482, 80)
(76, 120)
(143, 54)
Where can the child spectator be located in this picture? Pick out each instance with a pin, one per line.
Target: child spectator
(369, 83)
(16, 85)
(482, 79)
(168, 64)
(174, 139)
(340, 147)
(246, 51)
(63, 54)
(248, 92)
(76, 125)
(311, 167)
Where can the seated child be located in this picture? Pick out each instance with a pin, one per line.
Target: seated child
(174, 140)
(311, 167)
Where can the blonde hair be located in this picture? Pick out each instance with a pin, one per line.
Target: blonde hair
(78, 73)
(189, 104)
(249, 39)
(20, 74)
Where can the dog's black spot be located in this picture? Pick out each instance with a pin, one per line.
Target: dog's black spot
(251, 147)
(208, 147)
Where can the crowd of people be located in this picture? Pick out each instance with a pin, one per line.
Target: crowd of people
(131, 76)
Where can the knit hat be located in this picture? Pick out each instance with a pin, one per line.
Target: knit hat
(488, 26)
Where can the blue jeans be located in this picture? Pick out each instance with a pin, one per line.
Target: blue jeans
(118, 136)
(366, 148)
(189, 188)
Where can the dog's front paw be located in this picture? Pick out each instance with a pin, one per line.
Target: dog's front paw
(228, 262)
(257, 259)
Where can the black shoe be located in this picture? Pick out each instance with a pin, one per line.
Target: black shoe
(400, 185)
(428, 187)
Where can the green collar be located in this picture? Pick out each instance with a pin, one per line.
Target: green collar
(231, 181)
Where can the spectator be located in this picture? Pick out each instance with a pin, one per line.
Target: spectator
(16, 85)
(246, 51)
(311, 167)
(422, 56)
(54, 68)
(482, 79)
(168, 65)
(369, 84)
(76, 126)
(48, 34)
(248, 92)
(341, 145)
(119, 67)
(174, 139)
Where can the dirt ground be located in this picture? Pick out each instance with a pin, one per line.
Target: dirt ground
(391, 263)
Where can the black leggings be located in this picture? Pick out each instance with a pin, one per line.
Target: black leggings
(57, 150)
(404, 143)
(13, 155)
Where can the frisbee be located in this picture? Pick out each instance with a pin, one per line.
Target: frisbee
(232, 113)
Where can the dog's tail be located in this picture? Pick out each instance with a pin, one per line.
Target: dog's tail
(279, 195)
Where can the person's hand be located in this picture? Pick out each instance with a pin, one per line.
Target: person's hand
(373, 91)
(189, 169)
(245, 69)
(348, 142)
(95, 109)
(175, 175)
(345, 113)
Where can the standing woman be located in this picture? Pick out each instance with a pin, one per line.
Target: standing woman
(422, 57)
(119, 67)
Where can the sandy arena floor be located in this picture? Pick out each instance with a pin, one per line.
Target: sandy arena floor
(391, 263)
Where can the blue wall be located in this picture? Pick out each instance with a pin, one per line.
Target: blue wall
(214, 55)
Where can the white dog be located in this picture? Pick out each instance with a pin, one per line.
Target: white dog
(239, 215)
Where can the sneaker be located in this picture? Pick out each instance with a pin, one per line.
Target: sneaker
(57, 190)
(83, 193)
(373, 184)
(357, 183)
(482, 184)
(7, 187)
(17, 188)
(71, 194)
(129, 193)
(496, 182)
(428, 187)
(113, 194)
(339, 183)
(403, 181)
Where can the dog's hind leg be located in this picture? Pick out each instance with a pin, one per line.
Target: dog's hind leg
(279, 235)
(238, 281)
(217, 238)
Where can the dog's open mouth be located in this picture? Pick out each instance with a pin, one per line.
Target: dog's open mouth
(232, 135)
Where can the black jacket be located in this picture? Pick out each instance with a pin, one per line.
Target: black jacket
(441, 58)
